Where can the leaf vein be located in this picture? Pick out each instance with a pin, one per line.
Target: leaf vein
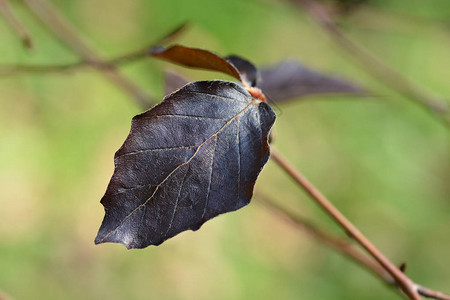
(155, 149)
(183, 116)
(125, 189)
(218, 96)
(210, 177)
(179, 166)
(176, 202)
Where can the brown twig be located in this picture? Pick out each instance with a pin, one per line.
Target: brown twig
(406, 284)
(144, 51)
(426, 292)
(374, 65)
(8, 70)
(339, 244)
(15, 23)
(64, 31)
(342, 246)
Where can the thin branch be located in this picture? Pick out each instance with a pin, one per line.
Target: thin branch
(342, 246)
(374, 65)
(406, 284)
(64, 31)
(144, 51)
(8, 70)
(426, 292)
(14, 22)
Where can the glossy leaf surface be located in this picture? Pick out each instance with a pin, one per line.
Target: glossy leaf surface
(192, 157)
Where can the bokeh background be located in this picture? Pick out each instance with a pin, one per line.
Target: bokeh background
(383, 161)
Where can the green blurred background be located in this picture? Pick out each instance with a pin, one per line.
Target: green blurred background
(383, 161)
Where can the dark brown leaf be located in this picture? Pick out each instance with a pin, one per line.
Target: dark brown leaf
(192, 157)
(195, 58)
(249, 73)
(290, 79)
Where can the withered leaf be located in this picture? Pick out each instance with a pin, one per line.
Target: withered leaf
(195, 58)
(290, 79)
(249, 72)
(192, 157)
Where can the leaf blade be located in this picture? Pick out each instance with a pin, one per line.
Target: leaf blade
(196, 58)
(156, 207)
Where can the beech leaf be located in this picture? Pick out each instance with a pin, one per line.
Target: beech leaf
(192, 157)
(290, 79)
(195, 58)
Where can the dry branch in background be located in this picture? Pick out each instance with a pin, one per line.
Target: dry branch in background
(14, 22)
(61, 28)
(336, 243)
(401, 279)
(405, 283)
(129, 57)
(340, 245)
(374, 65)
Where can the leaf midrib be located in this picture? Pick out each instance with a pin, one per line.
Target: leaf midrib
(254, 102)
